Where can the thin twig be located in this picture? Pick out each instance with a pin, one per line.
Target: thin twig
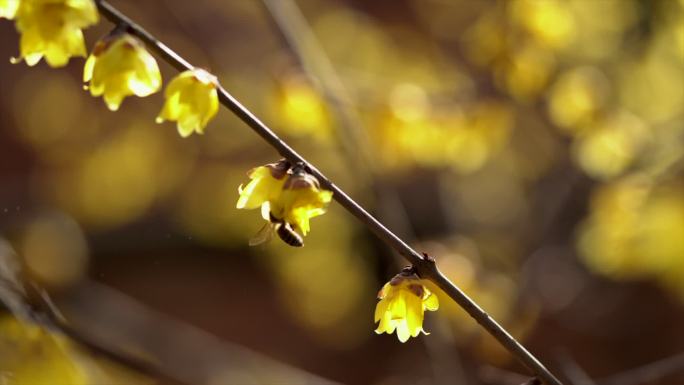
(648, 373)
(574, 373)
(426, 267)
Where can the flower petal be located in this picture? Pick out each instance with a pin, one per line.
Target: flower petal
(431, 302)
(381, 309)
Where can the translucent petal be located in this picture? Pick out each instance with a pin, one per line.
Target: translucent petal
(414, 314)
(88, 68)
(33, 59)
(403, 331)
(68, 45)
(431, 302)
(8, 8)
(384, 291)
(185, 128)
(383, 325)
(248, 199)
(213, 106)
(380, 309)
(397, 306)
(266, 211)
(113, 100)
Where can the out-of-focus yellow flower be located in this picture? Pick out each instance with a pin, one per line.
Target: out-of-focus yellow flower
(120, 66)
(8, 8)
(550, 21)
(611, 144)
(50, 28)
(526, 71)
(576, 98)
(191, 100)
(301, 108)
(293, 196)
(634, 230)
(403, 301)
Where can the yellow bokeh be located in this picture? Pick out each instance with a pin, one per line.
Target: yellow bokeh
(549, 21)
(121, 177)
(464, 140)
(54, 250)
(301, 109)
(325, 282)
(610, 145)
(526, 72)
(576, 97)
(653, 87)
(635, 229)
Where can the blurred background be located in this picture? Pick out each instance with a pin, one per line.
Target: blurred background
(534, 147)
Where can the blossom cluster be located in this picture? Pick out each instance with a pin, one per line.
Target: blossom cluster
(119, 66)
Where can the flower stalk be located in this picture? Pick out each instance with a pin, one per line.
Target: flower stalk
(425, 266)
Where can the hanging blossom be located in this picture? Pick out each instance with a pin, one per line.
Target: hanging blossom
(50, 28)
(284, 194)
(120, 66)
(403, 301)
(191, 101)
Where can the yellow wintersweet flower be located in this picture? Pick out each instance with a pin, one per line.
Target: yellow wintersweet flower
(120, 66)
(300, 200)
(284, 194)
(265, 185)
(191, 100)
(8, 8)
(403, 301)
(50, 28)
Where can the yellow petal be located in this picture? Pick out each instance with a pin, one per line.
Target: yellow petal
(403, 331)
(397, 307)
(431, 302)
(8, 8)
(113, 100)
(414, 314)
(52, 29)
(384, 291)
(383, 326)
(121, 67)
(380, 309)
(266, 211)
(191, 100)
(262, 188)
(88, 68)
(213, 106)
(71, 44)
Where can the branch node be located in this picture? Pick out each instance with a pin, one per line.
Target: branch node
(428, 258)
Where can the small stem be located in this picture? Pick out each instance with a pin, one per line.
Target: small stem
(425, 267)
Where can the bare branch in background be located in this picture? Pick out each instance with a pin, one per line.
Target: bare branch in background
(532, 381)
(572, 370)
(179, 349)
(648, 373)
(495, 376)
(29, 303)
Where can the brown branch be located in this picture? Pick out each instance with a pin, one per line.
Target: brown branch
(425, 266)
